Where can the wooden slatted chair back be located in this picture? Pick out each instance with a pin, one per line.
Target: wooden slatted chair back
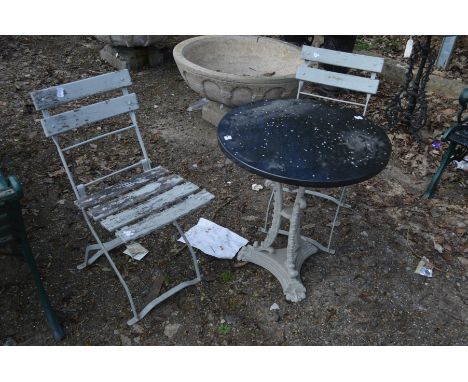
(63, 122)
(61, 94)
(367, 85)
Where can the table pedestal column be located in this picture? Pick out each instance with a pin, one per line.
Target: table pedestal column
(284, 263)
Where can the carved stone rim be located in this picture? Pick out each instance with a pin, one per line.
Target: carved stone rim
(180, 59)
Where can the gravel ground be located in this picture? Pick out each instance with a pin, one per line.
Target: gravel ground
(366, 294)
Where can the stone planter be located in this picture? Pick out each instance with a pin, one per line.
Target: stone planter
(130, 41)
(234, 70)
(133, 52)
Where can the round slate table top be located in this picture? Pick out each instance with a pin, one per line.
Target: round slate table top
(304, 142)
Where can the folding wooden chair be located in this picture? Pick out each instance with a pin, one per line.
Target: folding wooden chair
(130, 209)
(361, 84)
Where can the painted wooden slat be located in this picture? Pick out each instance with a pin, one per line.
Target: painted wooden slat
(345, 81)
(123, 201)
(121, 188)
(160, 219)
(347, 60)
(157, 203)
(61, 94)
(85, 115)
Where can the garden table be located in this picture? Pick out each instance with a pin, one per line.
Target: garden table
(303, 143)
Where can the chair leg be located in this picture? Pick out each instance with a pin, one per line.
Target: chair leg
(328, 197)
(265, 226)
(52, 320)
(323, 196)
(110, 245)
(175, 289)
(137, 316)
(14, 212)
(341, 203)
(446, 159)
(113, 266)
(308, 192)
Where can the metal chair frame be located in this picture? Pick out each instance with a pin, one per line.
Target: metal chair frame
(55, 125)
(457, 135)
(367, 85)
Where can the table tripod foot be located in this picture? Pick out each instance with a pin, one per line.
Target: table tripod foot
(276, 264)
(295, 291)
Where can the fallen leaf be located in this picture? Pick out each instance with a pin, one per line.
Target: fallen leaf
(438, 247)
(438, 239)
(463, 261)
(240, 264)
(54, 174)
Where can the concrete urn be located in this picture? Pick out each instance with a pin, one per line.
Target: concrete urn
(235, 70)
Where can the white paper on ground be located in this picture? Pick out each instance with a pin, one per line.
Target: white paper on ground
(136, 251)
(424, 267)
(214, 240)
(461, 164)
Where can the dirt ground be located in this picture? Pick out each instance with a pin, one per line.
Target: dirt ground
(366, 294)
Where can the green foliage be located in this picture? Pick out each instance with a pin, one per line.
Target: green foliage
(382, 44)
(362, 44)
(167, 279)
(227, 276)
(224, 329)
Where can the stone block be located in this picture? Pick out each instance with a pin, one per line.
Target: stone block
(132, 58)
(395, 71)
(213, 112)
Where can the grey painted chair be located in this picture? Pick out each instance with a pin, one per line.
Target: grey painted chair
(130, 209)
(367, 85)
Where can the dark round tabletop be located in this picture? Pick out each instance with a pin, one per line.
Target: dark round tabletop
(304, 142)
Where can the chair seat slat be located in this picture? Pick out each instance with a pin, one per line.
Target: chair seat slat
(340, 80)
(120, 188)
(61, 94)
(160, 219)
(155, 204)
(121, 202)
